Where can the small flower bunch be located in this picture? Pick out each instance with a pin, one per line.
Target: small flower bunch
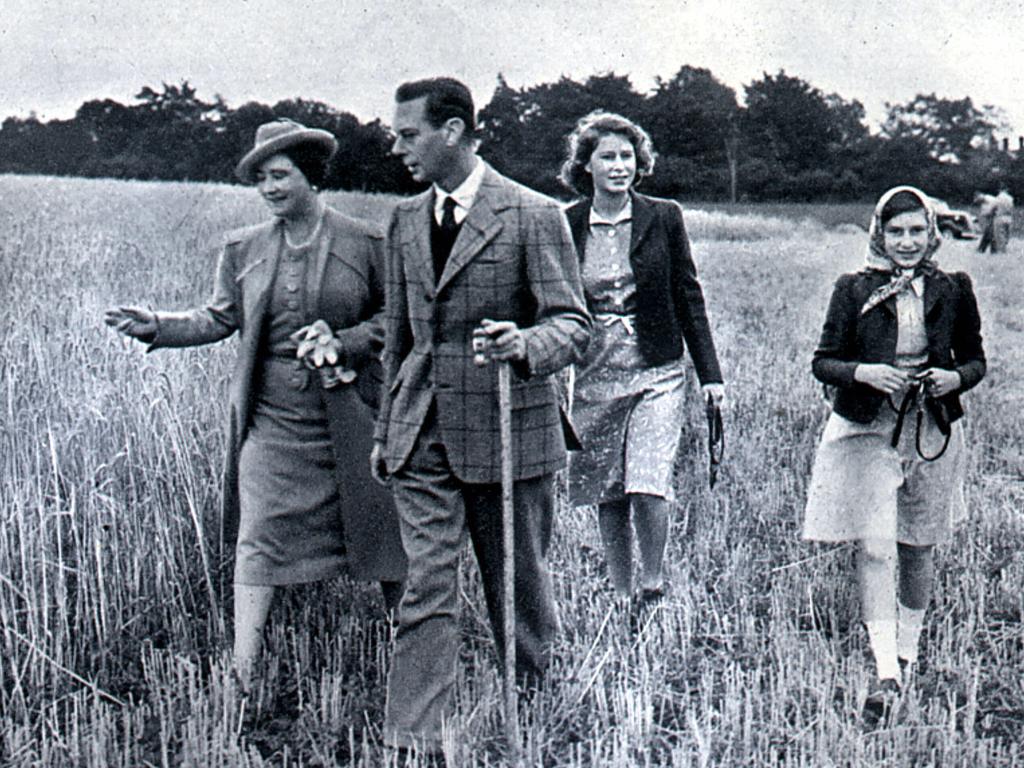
(320, 349)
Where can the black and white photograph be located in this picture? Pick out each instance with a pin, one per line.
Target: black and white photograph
(618, 384)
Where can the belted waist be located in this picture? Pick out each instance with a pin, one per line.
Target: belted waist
(608, 319)
(915, 363)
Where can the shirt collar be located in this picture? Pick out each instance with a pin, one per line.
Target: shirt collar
(917, 284)
(463, 195)
(626, 214)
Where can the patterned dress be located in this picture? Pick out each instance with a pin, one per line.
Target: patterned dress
(628, 414)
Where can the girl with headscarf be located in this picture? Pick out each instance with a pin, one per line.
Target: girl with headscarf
(305, 292)
(901, 342)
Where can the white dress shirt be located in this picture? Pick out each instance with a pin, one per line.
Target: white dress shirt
(463, 195)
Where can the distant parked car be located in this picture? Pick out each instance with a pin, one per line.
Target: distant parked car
(960, 225)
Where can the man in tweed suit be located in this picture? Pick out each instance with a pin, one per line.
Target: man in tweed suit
(476, 252)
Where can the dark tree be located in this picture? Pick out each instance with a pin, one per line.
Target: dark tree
(524, 131)
(798, 136)
(950, 129)
(692, 119)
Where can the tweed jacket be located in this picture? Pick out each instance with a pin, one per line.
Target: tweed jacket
(513, 259)
(849, 338)
(670, 302)
(345, 287)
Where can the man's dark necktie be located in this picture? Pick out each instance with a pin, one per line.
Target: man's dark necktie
(448, 225)
(444, 237)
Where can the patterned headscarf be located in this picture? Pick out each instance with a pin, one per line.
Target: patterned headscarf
(878, 260)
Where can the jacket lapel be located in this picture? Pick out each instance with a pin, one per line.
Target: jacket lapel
(934, 290)
(578, 215)
(257, 276)
(415, 239)
(643, 217)
(479, 228)
(326, 246)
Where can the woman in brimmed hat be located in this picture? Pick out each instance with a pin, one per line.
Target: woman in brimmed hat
(305, 292)
(901, 341)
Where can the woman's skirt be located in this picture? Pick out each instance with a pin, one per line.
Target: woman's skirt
(863, 488)
(290, 523)
(629, 418)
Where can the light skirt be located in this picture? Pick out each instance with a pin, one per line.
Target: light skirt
(863, 488)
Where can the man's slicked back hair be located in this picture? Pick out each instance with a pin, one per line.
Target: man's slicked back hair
(446, 98)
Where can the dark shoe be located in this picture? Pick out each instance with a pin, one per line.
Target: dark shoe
(651, 596)
(643, 607)
(913, 669)
(881, 702)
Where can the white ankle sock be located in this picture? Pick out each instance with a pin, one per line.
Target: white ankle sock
(882, 636)
(908, 634)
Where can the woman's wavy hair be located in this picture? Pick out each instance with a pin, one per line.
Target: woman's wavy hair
(581, 143)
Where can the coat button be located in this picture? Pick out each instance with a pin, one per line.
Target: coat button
(292, 287)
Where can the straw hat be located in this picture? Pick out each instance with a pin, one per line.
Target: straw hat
(277, 135)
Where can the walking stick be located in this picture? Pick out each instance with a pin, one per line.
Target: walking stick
(509, 563)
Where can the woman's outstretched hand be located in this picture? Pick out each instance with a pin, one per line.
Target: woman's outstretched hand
(136, 322)
(885, 378)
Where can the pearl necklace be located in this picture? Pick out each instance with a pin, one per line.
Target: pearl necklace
(313, 235)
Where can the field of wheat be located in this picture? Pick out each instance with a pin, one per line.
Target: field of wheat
(112, 595)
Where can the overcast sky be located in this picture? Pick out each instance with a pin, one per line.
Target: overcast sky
(55, 55)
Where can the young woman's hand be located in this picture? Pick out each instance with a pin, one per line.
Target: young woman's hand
(940, 381)
(715, 391)
(885, 378)
(136, 322)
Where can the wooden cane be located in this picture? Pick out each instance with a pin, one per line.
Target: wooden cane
(508, 539)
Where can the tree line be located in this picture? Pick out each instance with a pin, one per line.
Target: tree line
(787, 141)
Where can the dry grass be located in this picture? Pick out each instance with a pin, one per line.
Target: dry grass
(112, 602)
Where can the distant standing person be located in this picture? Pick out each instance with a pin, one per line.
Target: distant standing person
(1003, 221)
(299, 502)
(986, 221)
(474, 256)
(641, 285)
(901, 342)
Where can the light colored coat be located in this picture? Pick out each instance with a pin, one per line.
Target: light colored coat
(513, 260)
(346, 289)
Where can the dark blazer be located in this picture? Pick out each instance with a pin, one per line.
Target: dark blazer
(346, 290)
(670, 303)
(849, 338)
(512, 260)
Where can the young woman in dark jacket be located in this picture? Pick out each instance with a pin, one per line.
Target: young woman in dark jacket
(641, 287)
(901, 342)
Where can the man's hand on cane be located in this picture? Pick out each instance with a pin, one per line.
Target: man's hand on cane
(499, 340)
